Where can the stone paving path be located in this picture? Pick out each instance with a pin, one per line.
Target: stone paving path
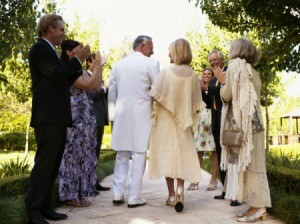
(199, 207)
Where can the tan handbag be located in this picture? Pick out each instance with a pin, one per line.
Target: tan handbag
(232, 136)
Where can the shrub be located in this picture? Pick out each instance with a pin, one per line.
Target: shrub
(107, 155)
(12, 210)
(13, 189)
(13, 186)
(285, 206)
(284, 178)
(16, 141)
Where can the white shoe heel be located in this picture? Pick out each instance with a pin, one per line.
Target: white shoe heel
(261, 214)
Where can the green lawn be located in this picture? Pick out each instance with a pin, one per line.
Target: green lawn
(293, 150)
(6, 156)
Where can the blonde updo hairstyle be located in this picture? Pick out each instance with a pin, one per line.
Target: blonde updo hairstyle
(180, 52)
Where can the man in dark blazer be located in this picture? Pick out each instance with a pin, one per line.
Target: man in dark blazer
(51, 113)
(213, 101)
(100, 109)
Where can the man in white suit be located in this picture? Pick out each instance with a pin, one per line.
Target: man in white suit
(130, 108)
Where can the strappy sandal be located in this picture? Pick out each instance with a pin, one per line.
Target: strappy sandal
(212, 187)
(193, 186)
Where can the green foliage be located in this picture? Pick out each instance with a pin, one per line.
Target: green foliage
(202, 44)
(12, 210)
(107, 155)
(84, 32)
(13, 189)
(283, 104)
(16, 141)
(283, 178)
(105, 169)
(115, 54)
(18, 21)
(11, 121)
(13, 186)
(16, 73)
(276, 23)
(280, 158)
(14, 168)
(285, 207)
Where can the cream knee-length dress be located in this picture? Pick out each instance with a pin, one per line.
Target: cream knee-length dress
(172, 149)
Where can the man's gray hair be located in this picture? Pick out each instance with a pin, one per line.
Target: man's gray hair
(219, 53)
(140, 39)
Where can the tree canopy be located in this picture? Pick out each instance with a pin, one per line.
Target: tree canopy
(18, 22)
(277, 24)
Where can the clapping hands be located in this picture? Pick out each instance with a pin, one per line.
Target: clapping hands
(82, 52)
(220, 74)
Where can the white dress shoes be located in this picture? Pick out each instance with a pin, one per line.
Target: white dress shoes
(118, 200)
(137, 202)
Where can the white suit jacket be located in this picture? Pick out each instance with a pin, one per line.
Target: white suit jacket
(129, 104)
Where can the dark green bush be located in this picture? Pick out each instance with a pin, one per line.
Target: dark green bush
(285, 207)
(13, 189)
(13, 186)
(107, 155)
(16, 141)
(284, 178)
(12, 210)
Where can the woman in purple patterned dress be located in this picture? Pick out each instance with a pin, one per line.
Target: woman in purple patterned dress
(77, 173)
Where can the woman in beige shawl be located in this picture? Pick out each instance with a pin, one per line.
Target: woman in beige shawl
(177, 99)
(246, 169)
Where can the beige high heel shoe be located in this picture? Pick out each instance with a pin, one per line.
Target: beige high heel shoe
(212, 187)
(179, 200)
(171, 201)
(261, 214)
(193, 186)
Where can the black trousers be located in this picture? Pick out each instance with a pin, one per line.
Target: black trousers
(99, 136)
(216, 122)
(50, 141)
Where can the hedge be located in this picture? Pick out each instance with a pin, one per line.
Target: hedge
(286, 179)
(285, 207)
(13, 189)
(284, 188)
(17, 185)
(16, 141)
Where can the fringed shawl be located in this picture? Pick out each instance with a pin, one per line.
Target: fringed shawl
(177, 88)
(239, 86)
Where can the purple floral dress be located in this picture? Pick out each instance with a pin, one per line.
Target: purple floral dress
(77, 173)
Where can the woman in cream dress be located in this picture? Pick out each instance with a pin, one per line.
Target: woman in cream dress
(246, 169)
(177, 99)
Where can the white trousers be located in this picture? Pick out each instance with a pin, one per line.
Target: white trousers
(137, 170)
